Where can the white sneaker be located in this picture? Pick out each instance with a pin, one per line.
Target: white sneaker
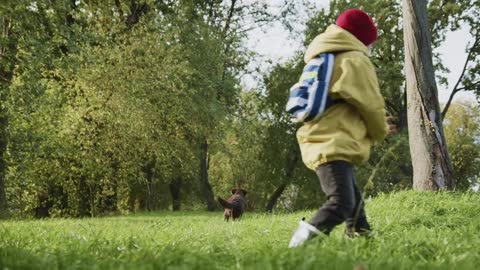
(304, 232)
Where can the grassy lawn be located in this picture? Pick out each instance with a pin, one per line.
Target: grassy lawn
(413, 231)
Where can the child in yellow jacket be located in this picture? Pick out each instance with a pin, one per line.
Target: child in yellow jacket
(344, 134)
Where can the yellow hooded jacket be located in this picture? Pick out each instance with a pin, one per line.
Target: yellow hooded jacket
(345, 131)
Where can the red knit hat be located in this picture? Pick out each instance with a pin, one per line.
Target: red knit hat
(358, 23)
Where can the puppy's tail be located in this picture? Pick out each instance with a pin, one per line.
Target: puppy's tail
(224, 203)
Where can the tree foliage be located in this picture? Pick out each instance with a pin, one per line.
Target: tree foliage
(119, 106)
(462, 131)
(108, 103)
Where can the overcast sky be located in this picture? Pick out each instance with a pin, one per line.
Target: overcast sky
(276, 45)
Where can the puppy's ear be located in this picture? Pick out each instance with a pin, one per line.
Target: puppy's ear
(244, 192)
(234, 190)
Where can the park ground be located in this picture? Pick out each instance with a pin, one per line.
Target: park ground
(413, 231)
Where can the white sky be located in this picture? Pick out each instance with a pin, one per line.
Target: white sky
(277, 45)
(454, 57)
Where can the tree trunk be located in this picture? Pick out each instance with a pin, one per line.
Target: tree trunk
(291, 163)
(3, 167)
(432, 169)
(274, 198)
(7, 64)
(152, 194)
(83, 197)
(175, 186)
(205, 187)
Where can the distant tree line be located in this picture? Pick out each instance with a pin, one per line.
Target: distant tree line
(122, 106)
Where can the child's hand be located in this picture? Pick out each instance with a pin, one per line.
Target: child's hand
(392, 128)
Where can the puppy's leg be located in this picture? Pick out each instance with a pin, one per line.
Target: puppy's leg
(235, 218)
(226, 215)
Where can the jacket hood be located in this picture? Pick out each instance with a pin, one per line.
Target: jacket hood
(334, 39)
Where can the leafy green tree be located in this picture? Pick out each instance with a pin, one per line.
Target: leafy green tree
(113, 111)
(133, 105)
(462, 131)
(8, 49)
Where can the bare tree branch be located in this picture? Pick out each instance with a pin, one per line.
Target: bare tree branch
(456, 89)
(229, 18)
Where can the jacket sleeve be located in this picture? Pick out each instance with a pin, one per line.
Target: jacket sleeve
(357, 84)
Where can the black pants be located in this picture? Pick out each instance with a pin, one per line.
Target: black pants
(344, 199)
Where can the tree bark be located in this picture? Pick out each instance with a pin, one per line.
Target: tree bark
(291, 163)
(83, 197)
(274, 198)
(205, 187)
(152, 194)
(432, 169)
(175, 186)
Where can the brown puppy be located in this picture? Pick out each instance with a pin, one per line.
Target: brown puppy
(235, 205)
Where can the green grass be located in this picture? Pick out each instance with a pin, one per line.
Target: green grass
(414, 231)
